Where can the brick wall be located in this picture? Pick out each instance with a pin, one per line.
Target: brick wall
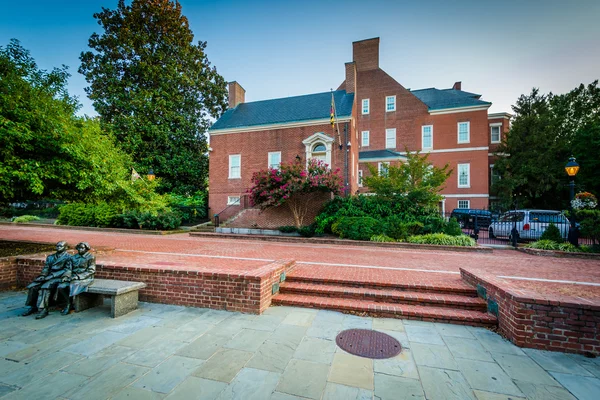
(248, 292)
(277, 216)
(531, 320)
(8, 273)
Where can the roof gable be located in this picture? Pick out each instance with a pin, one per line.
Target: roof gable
(289, 109)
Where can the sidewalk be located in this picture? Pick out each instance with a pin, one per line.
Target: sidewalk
(162, 351)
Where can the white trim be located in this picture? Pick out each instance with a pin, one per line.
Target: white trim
(443, 206)
(498, 154)
(318, 137)
(362, 139)
(232, 202)
(458, 110)
(296, 124)
(468, 132)
(496, 124)
(457, 149)
(386, 138)
(466, 195)
(500, 115)
(269, 159)
(387, 159)
(468, 184)
(240, 166)
(423, 137)
(362, 107)
(386, 103)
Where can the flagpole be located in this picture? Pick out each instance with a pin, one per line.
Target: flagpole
(335, 121)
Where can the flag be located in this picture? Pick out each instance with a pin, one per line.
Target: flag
(332, 117)
(134, 175)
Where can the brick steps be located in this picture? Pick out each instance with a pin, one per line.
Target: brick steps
(384, 309)
(386, 295)
(439, 288)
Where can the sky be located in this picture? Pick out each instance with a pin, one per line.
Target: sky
(499, 49)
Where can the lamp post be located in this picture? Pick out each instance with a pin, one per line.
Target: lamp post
(572, 168)
(150, 175)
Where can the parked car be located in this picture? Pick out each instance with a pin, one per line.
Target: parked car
(530, 224)
(466, 217)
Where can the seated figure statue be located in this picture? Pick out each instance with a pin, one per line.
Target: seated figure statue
(79, 276)
(40, 290)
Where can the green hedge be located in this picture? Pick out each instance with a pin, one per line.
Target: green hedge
(553, 245)
(552, 233)
(357, 228)
(452, 228)
(25, 218)
(589, 224)
(104, 215)
(442, 239)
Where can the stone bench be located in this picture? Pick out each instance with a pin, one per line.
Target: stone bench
(123, 296)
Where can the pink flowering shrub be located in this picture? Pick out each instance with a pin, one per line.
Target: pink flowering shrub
(294, 185)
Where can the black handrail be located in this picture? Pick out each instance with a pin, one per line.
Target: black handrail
(243, 205)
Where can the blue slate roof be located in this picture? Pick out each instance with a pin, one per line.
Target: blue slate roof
(289, 109)
(437, 99)
(379, 154)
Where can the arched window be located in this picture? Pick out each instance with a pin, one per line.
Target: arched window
(319, 152)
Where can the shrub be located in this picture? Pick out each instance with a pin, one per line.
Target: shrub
(164, 220)
(307, 231)
(433, 223)
(452, 228)
(544, 245)
(552, 233)
(570, 248)
(590, 224)
(81, 214)
(288, 229)
(381, 239)
(26, 218)
(191, 208)
(443, 239)
(357, 228)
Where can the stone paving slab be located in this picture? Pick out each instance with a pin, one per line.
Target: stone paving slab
(162, 351)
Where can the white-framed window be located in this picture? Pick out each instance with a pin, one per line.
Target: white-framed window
(233, 200)
(274, 159)
(360, 176)
(390, 138)
(319, 152)
(464, 175)
(390, 103)
(464, 204)
(427, 137)
(235, 166)
(464, 132)
(366, 106)
(494, 175)
(382, 168)
(365, 138)
(495, 132)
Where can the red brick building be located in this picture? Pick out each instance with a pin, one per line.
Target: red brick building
(378, 120)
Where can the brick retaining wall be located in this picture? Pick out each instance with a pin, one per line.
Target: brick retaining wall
(242, 292)
(529, 319)
(8, 273)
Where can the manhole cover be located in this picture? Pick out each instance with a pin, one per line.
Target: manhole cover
(369, 344)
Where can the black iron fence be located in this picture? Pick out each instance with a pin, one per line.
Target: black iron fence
(516, 226)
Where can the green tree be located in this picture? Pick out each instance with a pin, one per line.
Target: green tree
(546, 130)
(416, 181)
(155, 89)
(45, 150)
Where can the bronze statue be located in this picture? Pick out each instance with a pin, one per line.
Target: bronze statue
(80, 275)
(40, 290)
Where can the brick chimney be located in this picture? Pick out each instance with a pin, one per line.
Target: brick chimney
(457, 85)
(350, 77)
(365, 53)
(237, 94)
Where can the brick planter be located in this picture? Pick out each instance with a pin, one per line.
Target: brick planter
(249, 292)
(530, 319)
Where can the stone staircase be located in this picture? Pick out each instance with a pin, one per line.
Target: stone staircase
(451, 303)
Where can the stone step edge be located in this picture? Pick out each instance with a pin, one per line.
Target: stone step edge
(389, 310)
(385, 295)
(466, 290)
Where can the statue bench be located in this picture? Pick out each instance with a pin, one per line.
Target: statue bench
(123, 296)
